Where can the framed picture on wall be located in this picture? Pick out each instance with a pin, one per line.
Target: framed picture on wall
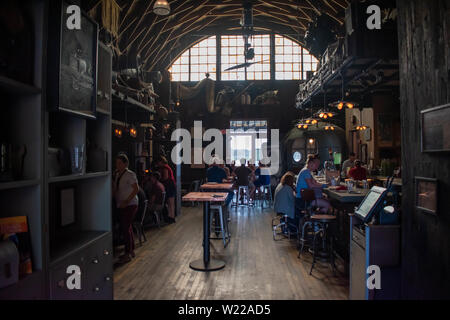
(426, 195)
(436, 129)
(72, 63)
(385, 132)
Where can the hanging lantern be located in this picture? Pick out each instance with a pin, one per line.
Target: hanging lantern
(161, 7)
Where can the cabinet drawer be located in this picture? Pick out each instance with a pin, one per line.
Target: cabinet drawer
(99, 269)
(59, 276)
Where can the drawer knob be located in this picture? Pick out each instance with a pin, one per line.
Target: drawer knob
(95, 261)
(106, 252)
(96, 289)
(108, 278)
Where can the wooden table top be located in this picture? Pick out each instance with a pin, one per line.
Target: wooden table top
(347, 197)
(206, 196)
(216, 186)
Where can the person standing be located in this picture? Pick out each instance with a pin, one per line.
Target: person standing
(348, 164)
(168, 180)
(125, 190)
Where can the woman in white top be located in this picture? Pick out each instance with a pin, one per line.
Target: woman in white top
(125, 189)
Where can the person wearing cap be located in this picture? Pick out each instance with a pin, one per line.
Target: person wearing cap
(215, 173)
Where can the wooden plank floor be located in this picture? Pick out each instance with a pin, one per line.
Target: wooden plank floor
(257, 267)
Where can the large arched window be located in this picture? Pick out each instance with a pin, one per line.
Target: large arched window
(290, 60)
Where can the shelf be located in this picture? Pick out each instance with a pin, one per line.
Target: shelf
(103, 112)
(130, 101)
(352, 70)
(18, 184)
(75, 177)
(18, 87)
(66, 247)
(29, 287)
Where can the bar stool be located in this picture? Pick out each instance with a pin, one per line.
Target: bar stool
(216, 212)
(246, 195)
(307, 197)
(266, 193)
(323, 221)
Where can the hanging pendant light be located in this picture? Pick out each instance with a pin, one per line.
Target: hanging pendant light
(361, 127)
(161, 7)
(343, 103)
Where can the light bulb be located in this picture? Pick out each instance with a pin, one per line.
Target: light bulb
(330, 115)
(340, 106)
(350, 105)
(314, 122)
(305, 127)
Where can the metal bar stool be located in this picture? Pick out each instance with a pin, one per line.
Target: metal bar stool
(245, 197)
(266, 195)
(138, 226)
(220, 226)
(307, 197)
(326, 251)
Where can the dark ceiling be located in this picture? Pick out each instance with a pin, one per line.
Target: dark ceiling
(159, 39)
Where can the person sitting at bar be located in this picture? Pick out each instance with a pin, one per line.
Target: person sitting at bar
(262, 174)
(242, 176)
(284, 200)
(125, 190)
(305, 180)
(358, 172)
(348, 164)
(168, 180)
(227, 170)
(215, 173)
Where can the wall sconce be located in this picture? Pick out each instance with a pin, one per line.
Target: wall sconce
(133, 133)
(118, 133)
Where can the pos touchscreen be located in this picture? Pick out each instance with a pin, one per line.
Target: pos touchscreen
(371, 203)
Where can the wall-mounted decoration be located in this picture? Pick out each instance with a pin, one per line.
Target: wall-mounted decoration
(72, 82)
(426, 194)
(436, 129)
(385, 130)
(363, 153)
(367, 134)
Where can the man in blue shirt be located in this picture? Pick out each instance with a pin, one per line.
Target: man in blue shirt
(305, 180)
(215, 173)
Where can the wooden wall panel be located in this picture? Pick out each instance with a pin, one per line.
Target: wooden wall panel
(424, 44)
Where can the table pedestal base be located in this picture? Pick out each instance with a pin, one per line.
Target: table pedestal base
(213, 265)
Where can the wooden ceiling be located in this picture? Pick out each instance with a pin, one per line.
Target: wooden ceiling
(160, 39)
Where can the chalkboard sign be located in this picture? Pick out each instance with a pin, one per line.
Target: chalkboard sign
(436, 129)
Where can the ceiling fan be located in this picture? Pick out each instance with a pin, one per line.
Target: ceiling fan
(247, 31)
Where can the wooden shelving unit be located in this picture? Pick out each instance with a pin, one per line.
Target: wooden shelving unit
(21, 125)
(25, 121)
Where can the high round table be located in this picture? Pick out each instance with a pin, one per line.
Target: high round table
(206, 264)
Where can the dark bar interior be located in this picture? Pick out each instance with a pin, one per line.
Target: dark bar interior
(225, 150)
